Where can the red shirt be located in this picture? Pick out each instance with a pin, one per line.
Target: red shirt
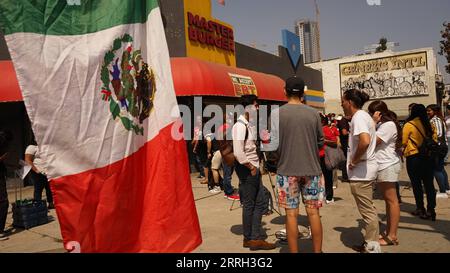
(329, 133)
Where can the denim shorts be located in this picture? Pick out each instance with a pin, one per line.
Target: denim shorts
(312, 189)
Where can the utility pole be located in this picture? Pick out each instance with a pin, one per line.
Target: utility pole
(318, 27)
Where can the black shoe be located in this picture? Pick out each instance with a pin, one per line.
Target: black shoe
(430, 214)
(51, 206)
(3, 236)
(418, 212)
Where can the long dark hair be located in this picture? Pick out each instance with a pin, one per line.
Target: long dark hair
(358, 97)
(437, 111)
(387, 115)
(419, 111)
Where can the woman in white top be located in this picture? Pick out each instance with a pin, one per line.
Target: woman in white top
(389, 165)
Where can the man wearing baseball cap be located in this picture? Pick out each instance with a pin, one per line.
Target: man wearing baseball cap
(296, 134)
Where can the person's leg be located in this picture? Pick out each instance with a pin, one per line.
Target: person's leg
(362, 192)
(397, 189)
(289, 198)
(227, 173)
(446, 184)
(427, 178)
(344, 168)
(48, 191)
(216, 162)
(4, 204)
(312, 189)
(328, 175)
(38, 186)
(316, 228)
(392, 208)
(292, 229)
(200, 165)
(247, 195)
(413, 167)
(441, 178)
(259, 207)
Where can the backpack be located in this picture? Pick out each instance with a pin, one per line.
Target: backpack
(429, 148)
(226, 148)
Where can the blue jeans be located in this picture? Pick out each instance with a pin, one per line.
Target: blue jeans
(441, 176)
(227, 173)
(252, 198)
(199, 164)
(40, 182)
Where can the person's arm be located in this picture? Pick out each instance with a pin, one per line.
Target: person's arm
(29, 160)
(406, 132)
(363, 145)
(344, 132)
(320, 138)
(208, 146)
(194, 144)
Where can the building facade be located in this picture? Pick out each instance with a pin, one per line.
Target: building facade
(308, 31)
(397, 78)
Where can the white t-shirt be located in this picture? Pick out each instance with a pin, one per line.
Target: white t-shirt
(38, 162)
(365, 170)
(385, 152)
(447, 123)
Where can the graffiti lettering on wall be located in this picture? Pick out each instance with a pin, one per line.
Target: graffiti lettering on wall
(398, 76)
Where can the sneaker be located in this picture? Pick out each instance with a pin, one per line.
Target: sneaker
(441, 195)
(448, 192)
(370, 247)
(260, 245)
(215, 190)
(329, 201)
(3, 236)
(233, 197)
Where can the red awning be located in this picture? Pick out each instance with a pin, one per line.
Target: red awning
(196, 77)
(191, 77)
(9, 86)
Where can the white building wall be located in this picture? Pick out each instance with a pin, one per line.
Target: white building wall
(332, 82)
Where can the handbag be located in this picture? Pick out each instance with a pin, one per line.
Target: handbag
(334, 158)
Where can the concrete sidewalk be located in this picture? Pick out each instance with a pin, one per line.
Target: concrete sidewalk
(221, 225)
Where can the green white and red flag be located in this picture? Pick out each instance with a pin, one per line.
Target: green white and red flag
(96, 80)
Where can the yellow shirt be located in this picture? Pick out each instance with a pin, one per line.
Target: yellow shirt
(411, 133)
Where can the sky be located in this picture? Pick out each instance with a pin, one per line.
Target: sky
(346, 26)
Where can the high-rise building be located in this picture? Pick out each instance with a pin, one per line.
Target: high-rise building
(308, 31)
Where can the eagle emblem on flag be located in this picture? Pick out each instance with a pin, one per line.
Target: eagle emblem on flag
(128, 84)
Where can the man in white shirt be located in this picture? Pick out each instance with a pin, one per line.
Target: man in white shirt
(38, 175)
(362, 165)
(247, 169)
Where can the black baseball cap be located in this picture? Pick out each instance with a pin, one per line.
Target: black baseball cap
(295, 84)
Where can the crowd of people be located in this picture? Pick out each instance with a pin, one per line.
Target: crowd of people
(373, 143)
(306, 148)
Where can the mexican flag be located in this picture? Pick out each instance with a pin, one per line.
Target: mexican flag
(96, 81)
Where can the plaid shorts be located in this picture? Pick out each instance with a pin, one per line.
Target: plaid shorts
(312, 189)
